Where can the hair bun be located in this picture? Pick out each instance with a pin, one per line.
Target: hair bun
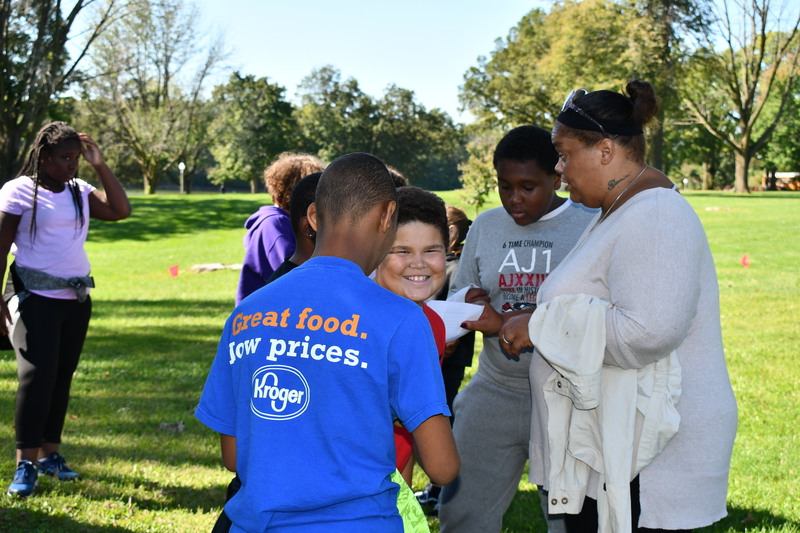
(645, 102)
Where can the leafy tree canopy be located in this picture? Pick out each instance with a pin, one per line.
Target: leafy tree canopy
(253, 124)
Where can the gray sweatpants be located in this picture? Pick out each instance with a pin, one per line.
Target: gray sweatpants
(492, 432)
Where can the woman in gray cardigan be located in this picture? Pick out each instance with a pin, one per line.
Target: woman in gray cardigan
(648, 255)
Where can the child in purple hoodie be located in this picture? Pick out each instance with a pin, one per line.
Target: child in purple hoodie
(269, 239)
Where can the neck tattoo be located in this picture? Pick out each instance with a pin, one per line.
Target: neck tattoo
(614, 183)
(611, 186)
(602, 218)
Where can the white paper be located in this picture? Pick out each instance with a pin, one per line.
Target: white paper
(459, 296)
(453, 313)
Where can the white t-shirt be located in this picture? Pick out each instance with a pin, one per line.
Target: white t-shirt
(58, 247)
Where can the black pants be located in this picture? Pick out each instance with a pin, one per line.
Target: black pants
(47, 337)
(452, 376)
(586, 520)
(223, 523)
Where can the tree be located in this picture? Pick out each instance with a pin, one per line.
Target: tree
(478, 176)
(596, 44)
(336, 118)
(659, 48)
(253, 125)
(425, 145)
(747, 70)
(544, 57)
(690, 142)
(35, 67)
(782, 152)
(150, 67)
(693, 147)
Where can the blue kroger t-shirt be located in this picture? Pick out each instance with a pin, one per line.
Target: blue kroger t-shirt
(309, 373)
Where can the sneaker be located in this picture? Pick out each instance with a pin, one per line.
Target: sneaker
(429, 495)
(25, 479)
(56, 466)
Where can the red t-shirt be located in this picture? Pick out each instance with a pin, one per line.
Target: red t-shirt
(404, 445)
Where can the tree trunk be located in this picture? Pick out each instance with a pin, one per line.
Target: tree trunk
(254, 184)
(150, 181)
(8, 161)
(742, 166)
(709, 170)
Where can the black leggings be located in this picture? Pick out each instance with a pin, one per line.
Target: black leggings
(47, 337)
(586, 520)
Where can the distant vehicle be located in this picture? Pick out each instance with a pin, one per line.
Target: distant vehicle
(781, 181)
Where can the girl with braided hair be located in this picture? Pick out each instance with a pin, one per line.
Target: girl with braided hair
(45, 212)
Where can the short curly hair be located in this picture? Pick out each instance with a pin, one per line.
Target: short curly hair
(527, 143)
(282, 175)
(418, 205)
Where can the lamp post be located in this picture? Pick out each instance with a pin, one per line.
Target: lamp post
(685, 181)
(182, 167)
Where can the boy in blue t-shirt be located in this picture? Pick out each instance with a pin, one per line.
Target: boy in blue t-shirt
(312, 369)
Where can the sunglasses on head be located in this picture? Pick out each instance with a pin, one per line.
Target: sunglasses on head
(577, 93)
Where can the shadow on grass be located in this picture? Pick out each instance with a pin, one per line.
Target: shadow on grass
(158, 217)
(30, 520)
(133, 379)
(744, 519)
(158, 309)
(524, 515)
(135, 493)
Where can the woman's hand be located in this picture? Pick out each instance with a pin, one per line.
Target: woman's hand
(476, 295)
(111, 203)
(90, 150)
(514, 334)
(489, 323)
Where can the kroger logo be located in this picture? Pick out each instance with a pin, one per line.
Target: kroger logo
(279, 392)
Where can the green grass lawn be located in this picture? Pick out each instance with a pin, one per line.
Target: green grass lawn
(153, 337)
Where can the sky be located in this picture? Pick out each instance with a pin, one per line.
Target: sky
(424, 46)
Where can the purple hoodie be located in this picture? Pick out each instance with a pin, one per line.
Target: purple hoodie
(268, 242)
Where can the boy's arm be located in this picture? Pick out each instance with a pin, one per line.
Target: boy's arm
(417, 396)
(228, 445)
(435, 449)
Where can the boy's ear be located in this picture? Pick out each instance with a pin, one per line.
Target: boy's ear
(387, 216)
(306, 229)
(311, 217)
(556, 181)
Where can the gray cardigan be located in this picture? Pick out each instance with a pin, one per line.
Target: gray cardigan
(651, 260)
